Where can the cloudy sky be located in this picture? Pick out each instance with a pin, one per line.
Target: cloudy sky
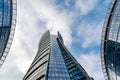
(80, 23)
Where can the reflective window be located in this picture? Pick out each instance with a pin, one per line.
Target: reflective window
(57, 69)
(5, 14)
(75, 72)
(113, 58)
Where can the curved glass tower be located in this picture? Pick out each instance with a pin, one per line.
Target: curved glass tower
(110, 43)
(54, 62)
(7, 26)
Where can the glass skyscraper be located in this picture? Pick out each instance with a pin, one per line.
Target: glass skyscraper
(54, 62)
(7, 26)
(110, 43)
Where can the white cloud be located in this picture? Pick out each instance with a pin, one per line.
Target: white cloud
(55, 20)
(29, 31)
(25, 43)
(27, 36)
(85, 6)
(90, 34)
(91, 63)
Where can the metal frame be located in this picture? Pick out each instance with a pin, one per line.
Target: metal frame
(12, 31)
(104, 39)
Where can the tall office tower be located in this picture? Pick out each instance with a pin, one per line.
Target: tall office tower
(110, 43)
(54, 62)
(7, 26)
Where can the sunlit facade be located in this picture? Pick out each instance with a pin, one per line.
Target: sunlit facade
(54, 62)
(7, 26)
(110, 43)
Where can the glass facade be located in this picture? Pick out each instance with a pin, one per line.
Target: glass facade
(57, 68)
(54, 62)
(74, 69)
(110, 44)
(7, 26)
(113, 59)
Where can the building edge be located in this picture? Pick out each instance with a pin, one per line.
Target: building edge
(47, 33)
(13, 19)
(104, 39)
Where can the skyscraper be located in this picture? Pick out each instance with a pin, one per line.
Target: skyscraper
(110, 43)
(7, 26)
(54, 62)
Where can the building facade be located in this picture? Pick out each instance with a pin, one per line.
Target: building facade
(54, 62)
(7, 26)
(110, 43)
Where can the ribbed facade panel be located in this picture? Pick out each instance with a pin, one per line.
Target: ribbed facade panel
(38, 68)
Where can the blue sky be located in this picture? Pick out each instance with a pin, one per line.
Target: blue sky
(80, 23)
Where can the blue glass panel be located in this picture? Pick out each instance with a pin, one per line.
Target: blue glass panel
(5, 14)
(113, 58)
(75, 72)
(57, 69)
